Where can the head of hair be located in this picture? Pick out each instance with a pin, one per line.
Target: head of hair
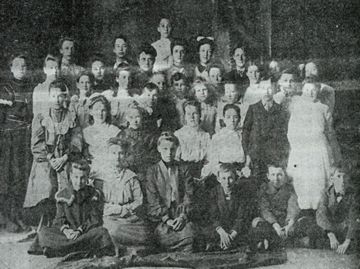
(119, 141)
(16, 56)
(120, 36)
(238, 46)
(81, 165)
(276, 164)
(231, 106)
(178, 76)
(204, 41)
(151, 86)
(227, 167)
(50, 57)
(97, 57)
(60, 84)
(168, 136)
(86, 73)
(218, 66)
(147, 49)
(211, 91)
(122, 67)
(193, 103)
(65, 38)
(102, 99)
(334, 169)
(178, 42)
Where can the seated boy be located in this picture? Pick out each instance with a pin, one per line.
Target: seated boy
(169, 192)
(279, 212)
(338, 212)
(78, 222)
(232, 206)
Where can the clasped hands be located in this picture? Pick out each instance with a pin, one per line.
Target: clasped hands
(283, 232)
(58, 163)
(335, 245)
(71, 234)
(176, 224)
(225, 238)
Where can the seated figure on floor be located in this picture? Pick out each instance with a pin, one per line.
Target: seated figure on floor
(78, 222)
(169, 190)
(338, 213)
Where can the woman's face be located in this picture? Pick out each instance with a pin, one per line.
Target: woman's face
(98, 112)
(192, 116)
(134, 119)
(215, 75)
(84, 84)
(178, 54)
(124, 79)
(58, 99)
(231, 119)
(205, 53)
(180, 87)
(309, 90)
(231, 94)
(201, 92)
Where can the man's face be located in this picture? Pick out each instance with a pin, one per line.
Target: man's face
(124, 79)
(58, 99)
(178, 54)
(286, 82)
(51, 69)
(133, 117)
(192, 116)
(164, 28)
(230, 93)
(67, 49)
(268, 94)
(84, 84)
(339, 180)
(226, 179)
(215, 75)
(239, 58)
(78, 178)
(19, 68)
(253, 74)
(276, 176)
(120, 48)
(205, 53)
(160, 81)
(146, 62)
(167, 150)
(98, 70)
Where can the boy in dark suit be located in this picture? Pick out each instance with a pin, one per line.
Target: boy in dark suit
(78, 222)
(338, 213)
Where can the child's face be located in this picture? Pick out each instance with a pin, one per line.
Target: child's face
(180, 87)
(215, 75)
(276, 176)
(98, 70)
(84, 84)
(309, 90)
(124, 79)
(134, 119)
(167, 150)
(120, 48)
(146, 62)
(19, 68)
(117, 155)
(253, 74)
(58, 99)
(231, 119)
(201, 92)
(98, 112)
(78, 178)
(164, 28)
(51, 69)
(150, 96)
(205, 53)
(160, 81)
(67, 49)
(286, 82)
(239, 58)
(178, 54)
(192, 116)
(226, 179)
(339, 181)
(231, 94)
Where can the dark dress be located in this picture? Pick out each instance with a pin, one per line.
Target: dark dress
(238, 77)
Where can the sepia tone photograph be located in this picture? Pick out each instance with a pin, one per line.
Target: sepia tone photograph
(179, 134)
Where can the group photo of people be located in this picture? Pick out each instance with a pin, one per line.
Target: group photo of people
(152, 153)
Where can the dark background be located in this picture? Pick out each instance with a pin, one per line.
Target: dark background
(328, 30)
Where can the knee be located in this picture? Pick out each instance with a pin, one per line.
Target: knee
(256, 222)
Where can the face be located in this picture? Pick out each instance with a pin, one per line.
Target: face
(201, 92)
(67, 49)
(178, 54)
(98, 70)
(231, 119)
(124, 79)
(268, 95)
(84, 84)
(309, 90)
(134, 119)
(215, 75)
(160, 81)
(117, 155)
(311, 70)
(58, 99)
(98, 112)
(339, 180)
(78, 178)
(231, 94)
(276, 176)
(150, 97)
(205, 53)
(19, 68)
(146, 62)
(180, 87)
(253, 74)
(51, 69)
(164, 28)
(167, 150)
(226, 179)
(192, 116)
(274, 67)
(239, 58)
(120, 48)
(286, 82)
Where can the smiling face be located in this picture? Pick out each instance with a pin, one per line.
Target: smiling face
(67, 50)
(146, 62)
(98, 112)
(167, 150)
(120, 48)
(58, 99)
(215, 75)
(276, 176)
(205, 54)
(231, 119)
(98, 70)
(201, 92)
(231, 93)
(164, 28)
(192, 116)
(19, 68)
(133, 117)
(239, 58)
(178, 54)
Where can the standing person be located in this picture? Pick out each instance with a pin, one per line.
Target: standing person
(179, 93)
(68, 67)
(121, 51)
(169, 191)
(310, 156)
(146, 58)
(216, 74)
(205, 48)
(101, 78)
(163, 45)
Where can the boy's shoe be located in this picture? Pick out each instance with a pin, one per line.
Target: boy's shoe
(49, 253)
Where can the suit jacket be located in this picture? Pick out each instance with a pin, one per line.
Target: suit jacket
(265, 133)
(345, 213)
(242, 80)
(159, 194)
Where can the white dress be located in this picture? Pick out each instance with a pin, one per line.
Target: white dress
(97, 138)
(310, 154)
